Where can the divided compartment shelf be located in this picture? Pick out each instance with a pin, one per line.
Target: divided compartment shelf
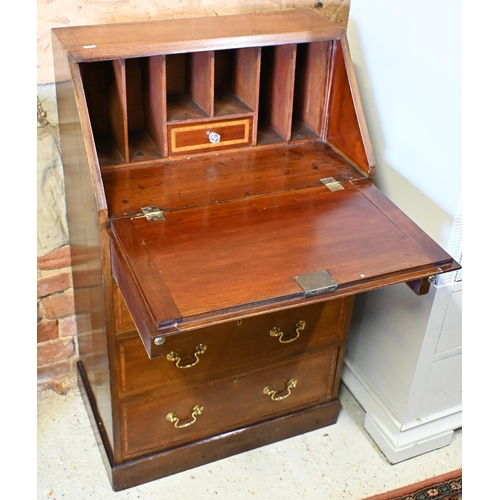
(212, 84)
(126, 110)
(189, 84)
(293, 86)
(279, 93)
(146, 108)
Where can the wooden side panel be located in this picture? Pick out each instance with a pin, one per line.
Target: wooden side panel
(281, 119)
(86, 208)
(201, 80)
(246, 76)
(347, 130)
(117, 104)
(155, 104)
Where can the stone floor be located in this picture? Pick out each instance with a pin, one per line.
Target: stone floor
(335, 463)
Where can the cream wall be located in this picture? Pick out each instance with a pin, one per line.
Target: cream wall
(409, 69)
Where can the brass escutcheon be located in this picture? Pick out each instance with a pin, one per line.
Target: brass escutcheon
(290, 384)
(276, 332)
(174, 356)
(195, 412)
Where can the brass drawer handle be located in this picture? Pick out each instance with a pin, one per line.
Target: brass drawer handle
(172, 417)
(174, 356)
(213, 137)
(276, 332)
(290, 384)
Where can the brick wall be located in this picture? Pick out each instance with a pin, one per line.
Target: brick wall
(56, 326)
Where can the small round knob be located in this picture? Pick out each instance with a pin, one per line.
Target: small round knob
(213, 137)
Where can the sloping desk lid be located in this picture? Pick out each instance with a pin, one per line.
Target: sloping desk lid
(222, 261)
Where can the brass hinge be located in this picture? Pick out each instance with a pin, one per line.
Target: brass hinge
(152, 213)
(332, 184)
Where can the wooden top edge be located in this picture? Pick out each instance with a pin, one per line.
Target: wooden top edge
(121, 40)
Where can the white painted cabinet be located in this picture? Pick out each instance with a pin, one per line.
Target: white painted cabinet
(405, 367)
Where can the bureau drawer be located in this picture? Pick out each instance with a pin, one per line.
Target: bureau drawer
(206, 410)
(204, 354)
(209, 136)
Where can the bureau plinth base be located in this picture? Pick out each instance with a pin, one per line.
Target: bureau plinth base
(151, 467)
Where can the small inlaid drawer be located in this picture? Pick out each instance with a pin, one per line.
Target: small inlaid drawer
(204, 354)
(209, 136)
(201, 411)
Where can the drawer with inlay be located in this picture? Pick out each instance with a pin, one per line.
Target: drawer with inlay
(195, 137)
(200, 411)
(207, 353)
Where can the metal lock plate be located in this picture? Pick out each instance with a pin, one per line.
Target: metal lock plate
(316, 283)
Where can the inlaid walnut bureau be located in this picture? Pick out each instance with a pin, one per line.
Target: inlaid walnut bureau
(222, 218)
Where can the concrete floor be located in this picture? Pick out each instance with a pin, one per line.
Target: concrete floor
(335, 463)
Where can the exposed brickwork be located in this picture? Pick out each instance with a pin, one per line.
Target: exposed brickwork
(47, 329)
(58, 305)
(53, 284)
(67, 327)
(57, 350)
(57, 259)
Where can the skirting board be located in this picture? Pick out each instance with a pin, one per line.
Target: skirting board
(397, 441)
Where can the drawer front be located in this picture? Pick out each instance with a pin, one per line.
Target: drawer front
(209, 136)
(206, 410)
(204, 354)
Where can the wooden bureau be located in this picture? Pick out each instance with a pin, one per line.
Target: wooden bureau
(222, 218)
